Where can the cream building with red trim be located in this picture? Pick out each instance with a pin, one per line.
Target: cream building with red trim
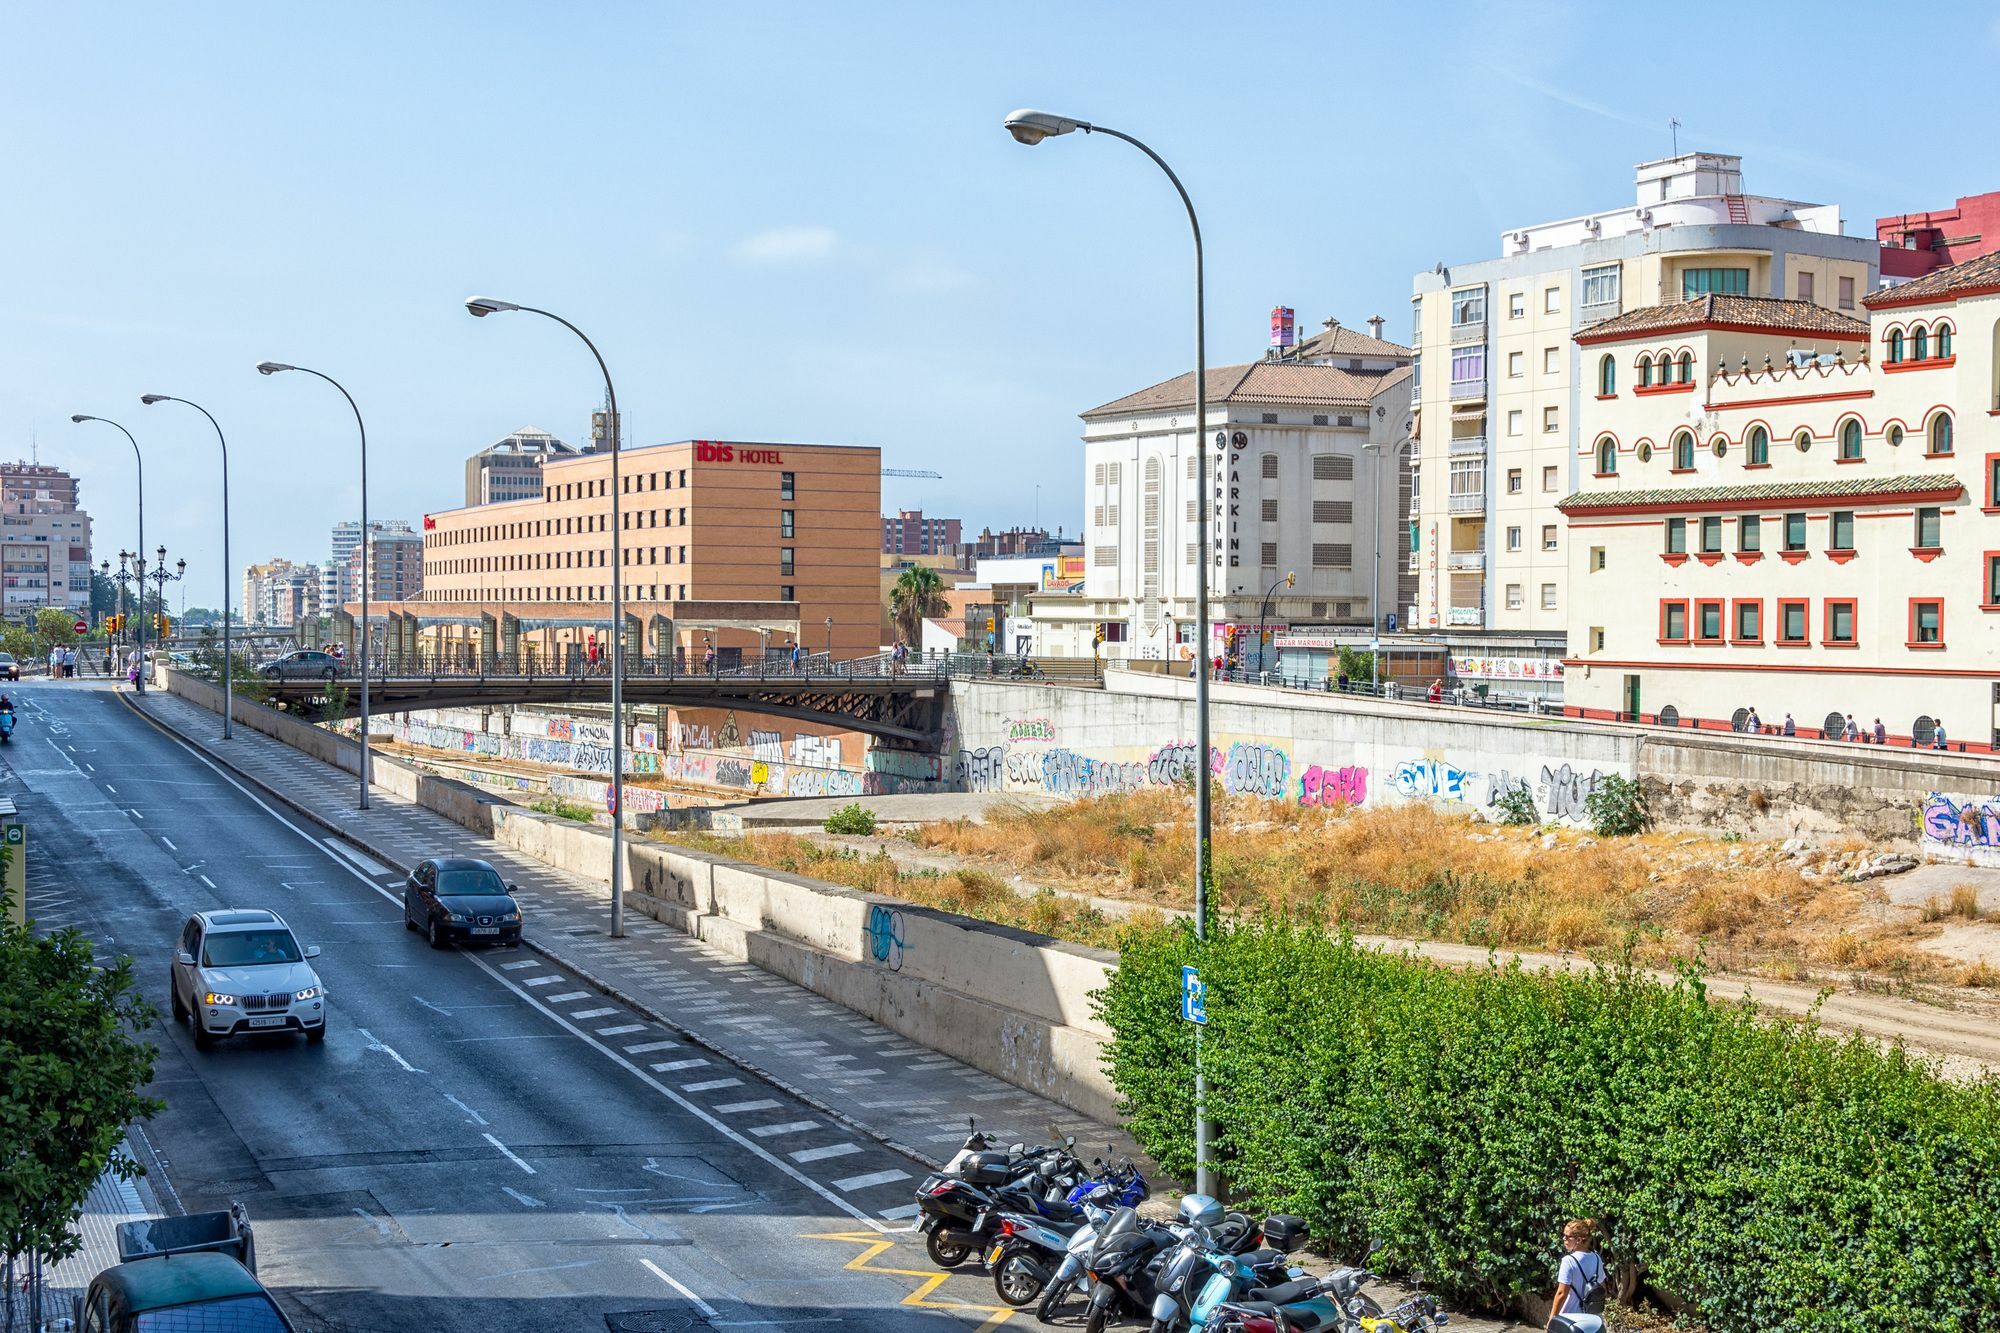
(1787, 509)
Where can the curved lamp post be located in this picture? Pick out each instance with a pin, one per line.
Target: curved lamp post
(1031, 127)
(138, 639)
(1264, 615)
(228, 656)
(480, 307)
(367, 639)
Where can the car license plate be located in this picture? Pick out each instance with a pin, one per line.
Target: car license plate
(486, 930)
(267, 1022)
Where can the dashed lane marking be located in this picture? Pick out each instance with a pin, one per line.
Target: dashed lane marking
(567, 996)
(868, 1181)
(740, 1108)
(508, 1153)
(537, 981)
(669, 1066)
(621, 1029)
(582, 1014)
(645, 1046)
(804, 1155)
(712, 1085)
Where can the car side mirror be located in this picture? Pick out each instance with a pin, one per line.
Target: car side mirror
(184, 958)
(312, 951)
(512, 887)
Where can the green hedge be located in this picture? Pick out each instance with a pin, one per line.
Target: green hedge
(1775, 1177)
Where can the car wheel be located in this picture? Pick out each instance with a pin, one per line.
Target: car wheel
(180, 1010)
(409, 922)
(328, 676)
(318, 1034)
(438, 941)
(202, 1039)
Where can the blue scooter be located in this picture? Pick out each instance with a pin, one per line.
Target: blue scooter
(6, 726)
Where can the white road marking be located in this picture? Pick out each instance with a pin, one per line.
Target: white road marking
(621, 1029)
(707, 1310)
(525, 962)
(530, 1201)
(368, 865)
(169, 844)
(582, 1014)
(206, 880)
(645, 1046)
(375, 1044)
(900, 1211)
(852, 1183)
(567, 996)
(107, 786)
(477, 1118)
(669, 1066)
(740, 1108)
(135, 814)
(434, 1008)
(712, 1085)
(508, 1153)
(537, 981)
(821, 1154)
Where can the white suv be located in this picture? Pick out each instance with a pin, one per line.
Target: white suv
(242, 970)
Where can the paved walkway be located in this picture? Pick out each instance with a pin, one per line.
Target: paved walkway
(861, 1073)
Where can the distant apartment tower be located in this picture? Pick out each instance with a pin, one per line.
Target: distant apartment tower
(910, 533)
(44, 541)
(1915, 243)
(347, 537)
(396, 566)
(512, 469)
(1501, 379)
(991, 545)
(280, 593)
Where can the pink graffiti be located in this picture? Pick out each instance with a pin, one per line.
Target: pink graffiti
(1333, 786)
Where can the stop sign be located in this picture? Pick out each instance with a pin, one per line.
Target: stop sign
(81, 627)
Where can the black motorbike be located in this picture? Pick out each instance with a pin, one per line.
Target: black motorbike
(961, 1206)
(1125, 1266)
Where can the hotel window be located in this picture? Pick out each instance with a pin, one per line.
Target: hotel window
(1514, 538)
(1941, 434)
(1895, 346)
(1548, 536)
(1791, 622)
(785, 522)
(1926, 624)
(1677, 536)
(1760, 446)
(1840, 620)
(1850, 440)
(785, 560)
(1548, 597)
(1795, 532)
(1683, 452)
(1549, 420)
(1930, 524)
(1711, 534)
(1601, 286)
(1515, 366)
(1719, 281)
(1840, 534)
(787, 489)
(1708, 621)
(1749, 622)
(1847, 293)
(1750, 533)
(1607, 375)
(1805, 286)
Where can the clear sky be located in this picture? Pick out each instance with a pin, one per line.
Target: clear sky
(803, 222)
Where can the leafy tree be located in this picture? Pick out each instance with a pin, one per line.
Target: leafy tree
(55, 627)
(1615, 807)
(1357, 666)
(103, 596)
(71, 1069)
(917, 595)
(19, 642)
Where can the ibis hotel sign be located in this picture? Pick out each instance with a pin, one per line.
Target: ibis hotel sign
(715, 451)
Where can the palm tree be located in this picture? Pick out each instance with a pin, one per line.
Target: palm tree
(918, 594)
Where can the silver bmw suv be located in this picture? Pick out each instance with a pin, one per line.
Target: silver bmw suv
(242, 970)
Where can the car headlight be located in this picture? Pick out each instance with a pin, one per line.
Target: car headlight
(456, 919)
(214, 997)
(511, 916)
(309, 993)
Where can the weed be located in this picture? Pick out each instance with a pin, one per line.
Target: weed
(853, 817)
(1516, 805)
(564, 809)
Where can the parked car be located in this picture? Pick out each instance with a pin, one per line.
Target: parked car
(460, 899)
(9, 668)
(304, 664)
(192, 1272)
(242, 970)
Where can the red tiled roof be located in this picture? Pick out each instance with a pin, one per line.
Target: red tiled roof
(1719, 310)
(1971, 277)
(1282, 382)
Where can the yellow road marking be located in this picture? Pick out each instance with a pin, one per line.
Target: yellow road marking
(874, 1247)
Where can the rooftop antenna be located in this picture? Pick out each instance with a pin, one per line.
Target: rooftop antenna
(1674, 128)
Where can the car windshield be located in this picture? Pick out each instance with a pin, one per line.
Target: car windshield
(237, 1314)
(247, 948)
(480, 883)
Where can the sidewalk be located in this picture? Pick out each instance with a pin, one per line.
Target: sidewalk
(109, 1202)
(862, 1074)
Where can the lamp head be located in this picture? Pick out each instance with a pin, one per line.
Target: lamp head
(482, 306)
(1031, 127)
(150, 398)
(272, 367)
(80, 418)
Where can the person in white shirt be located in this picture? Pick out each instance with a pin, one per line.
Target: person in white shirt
(1578, 1305)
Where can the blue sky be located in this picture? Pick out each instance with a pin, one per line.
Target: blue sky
(803, 222)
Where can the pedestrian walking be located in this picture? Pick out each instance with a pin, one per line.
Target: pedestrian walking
(55, 663)
(989, 659)
(1937, 735)
(1751, 723)
(1437, 690)
(795, 656)
(1581, 1279)
(1791, 727)
(1881, 733)
(1851, 732)
(592, 652)
(69, 664)
(708, 659)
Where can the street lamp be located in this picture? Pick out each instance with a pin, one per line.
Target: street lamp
(1031, 127)
(1263, 659)
(160, 579)
(123, 578)
(829, 643)
(367, 638)
(139, 640)
(480, 307)
(228, 657)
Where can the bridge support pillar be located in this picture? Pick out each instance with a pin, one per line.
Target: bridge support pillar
(635, 643)
(489, 642)
(343, 631)
(665, 650)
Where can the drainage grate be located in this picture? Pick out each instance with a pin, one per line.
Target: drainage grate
(656, 1321)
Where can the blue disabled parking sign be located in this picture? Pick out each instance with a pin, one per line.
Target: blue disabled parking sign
(1194, 996)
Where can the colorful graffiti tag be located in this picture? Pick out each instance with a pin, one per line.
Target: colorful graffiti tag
(1963, 828)
(1031, 729)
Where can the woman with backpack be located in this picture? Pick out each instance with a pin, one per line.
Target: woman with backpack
(1578, 1306)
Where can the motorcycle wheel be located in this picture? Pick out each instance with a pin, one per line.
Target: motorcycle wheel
(945, 1253)
(1018, 1278)
(1053, 1298)
(1100, 1315)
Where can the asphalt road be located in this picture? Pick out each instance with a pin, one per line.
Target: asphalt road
(483, 1143)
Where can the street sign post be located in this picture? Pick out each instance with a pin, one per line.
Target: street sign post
(81, 627)
(1194, 997)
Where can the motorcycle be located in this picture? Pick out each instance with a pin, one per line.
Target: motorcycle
(960, 1208)
(1331, 1303)
(6, 726)
(1198, 1276)
(1124, 1265)
(1028, 1250)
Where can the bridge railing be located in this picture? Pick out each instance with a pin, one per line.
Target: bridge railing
(811, 668)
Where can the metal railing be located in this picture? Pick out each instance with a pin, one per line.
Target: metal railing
(1466, 446)
(1467, 504)
(537, 666)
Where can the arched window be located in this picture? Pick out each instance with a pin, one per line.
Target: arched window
(1687, 367)
(1760, 446)
(1944, 340)
(1607, 375)
(1607, 456)
(1683, 451)
(1941, 433)
(1920, 346)
(1895, 346)
(1645, 372)
(1850, 439)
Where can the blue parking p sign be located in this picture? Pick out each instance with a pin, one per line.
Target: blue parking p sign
(1194, 996)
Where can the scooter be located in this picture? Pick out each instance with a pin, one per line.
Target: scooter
(1124, 1266)
(960, 1208)
(1199, 1276)
(6, 726)
(1028, 1250)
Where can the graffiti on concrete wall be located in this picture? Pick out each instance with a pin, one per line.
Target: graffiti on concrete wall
(1324, 788)
(768, 746)
(1256, 769)
(983, 769)
(813, 751)
(1031, 729)
(1432, 778)
(1963, 828)
(885, 936)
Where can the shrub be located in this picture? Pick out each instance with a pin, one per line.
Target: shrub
(853, 817)
(1775, 1178)
(1516, 805)
(1615, 807)
(564, 809)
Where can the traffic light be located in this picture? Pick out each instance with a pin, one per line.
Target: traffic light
(114, 623)
(161, 627)
(1097, 634)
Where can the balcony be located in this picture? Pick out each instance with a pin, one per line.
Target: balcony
(1468, 504)
(1465, 389)
(1470, 331)
(1468, 446)
(1600, 310)
(1473, 560)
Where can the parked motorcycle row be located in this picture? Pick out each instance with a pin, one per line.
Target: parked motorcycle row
(1054, 1232)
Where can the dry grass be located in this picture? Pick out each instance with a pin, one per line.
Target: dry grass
(1962, 903)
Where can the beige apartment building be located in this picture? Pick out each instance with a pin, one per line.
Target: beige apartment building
(1790, 509)
(280, 593)
(44, 541)
(1501, 386)
(724, 541)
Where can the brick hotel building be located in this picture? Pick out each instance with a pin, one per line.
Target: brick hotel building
(728, 541)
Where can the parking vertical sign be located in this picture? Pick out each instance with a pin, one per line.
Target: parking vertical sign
(1194, 997)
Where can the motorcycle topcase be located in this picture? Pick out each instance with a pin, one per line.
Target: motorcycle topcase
(986, 1168)
(1282, 1231)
